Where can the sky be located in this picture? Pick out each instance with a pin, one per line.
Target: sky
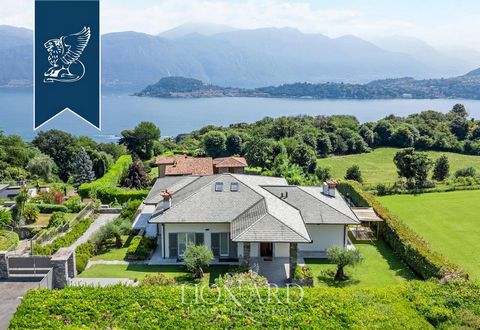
(439, 22)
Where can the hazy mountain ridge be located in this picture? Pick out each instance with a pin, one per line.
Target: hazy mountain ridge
(225, 56)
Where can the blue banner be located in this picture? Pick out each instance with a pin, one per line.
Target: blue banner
(67, 60)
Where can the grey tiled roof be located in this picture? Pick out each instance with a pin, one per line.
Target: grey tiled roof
(170, 183)
(315, 207)
(255, 212)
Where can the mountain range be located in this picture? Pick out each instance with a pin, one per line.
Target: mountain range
(225, 56)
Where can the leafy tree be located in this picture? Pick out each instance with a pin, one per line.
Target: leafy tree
(31, 213)
(476, 133)
(100, 162)
(403, 136)
(136, 177)
(305, 157)
(459, 127)
(61, 147)
(140, 140)
(354, 173)
(414, 166)
(234, 144)
(260, 152)
(41, 166)
(441, 169)
(214, 143)
(383, 132)
(343, 257)
(367, 135)
(82, 169)
(113, 149)
(458, 110)
(196, 258)
(324, 145)
(284, 127)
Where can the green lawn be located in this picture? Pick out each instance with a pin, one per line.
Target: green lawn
(139, 271)
(43, 219)
(449, 221)
(112, 253)
(380, 267)
(378, 167)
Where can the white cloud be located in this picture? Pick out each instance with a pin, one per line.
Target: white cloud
(16, 13)
(152, 16)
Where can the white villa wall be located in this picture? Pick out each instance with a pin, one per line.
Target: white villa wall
(281, 249)
(324, 237)
(207, 229)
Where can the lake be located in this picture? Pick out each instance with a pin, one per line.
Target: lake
(121, 111)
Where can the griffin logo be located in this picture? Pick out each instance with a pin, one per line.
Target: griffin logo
(64, 57)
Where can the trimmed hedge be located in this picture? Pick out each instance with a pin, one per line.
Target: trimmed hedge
(140, 247)
(8, 239)
(106, 188)
(50, 208)
(415, 305)
(405, 242)
(66, 240)
(82, 254)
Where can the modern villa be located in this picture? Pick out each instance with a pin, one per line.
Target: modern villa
(244, 217)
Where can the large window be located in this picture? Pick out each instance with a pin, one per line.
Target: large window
(223, 244)
(218, 186)
(184, 240)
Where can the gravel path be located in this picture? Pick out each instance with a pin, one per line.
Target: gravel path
(99, 222)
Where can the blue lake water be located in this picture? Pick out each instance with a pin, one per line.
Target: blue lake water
(121, 111)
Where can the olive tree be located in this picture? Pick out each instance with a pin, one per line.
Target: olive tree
(342, 258)
(196, 258)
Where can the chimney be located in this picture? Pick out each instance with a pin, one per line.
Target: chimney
(167, 199)
(329, 187)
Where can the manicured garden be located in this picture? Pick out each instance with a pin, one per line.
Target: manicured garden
(449, 221)
(8, 240)
(135, 271)
(379, 268)
(378, 167)
(415, 305)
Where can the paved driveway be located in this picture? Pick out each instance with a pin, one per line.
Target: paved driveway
(11, 292)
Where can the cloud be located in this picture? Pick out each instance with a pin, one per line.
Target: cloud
(154, 16)
(17, 13)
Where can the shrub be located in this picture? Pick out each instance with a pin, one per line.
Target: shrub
(406, 243)
(81, 261)
(74, 204)
(130, 209)
(57, 219)
(159, 279)
(50, 208)
(354, 173)
(196, 258)
(414, 305)
(302, 272)
(140, 247)
(30, 213)
(466, 172)
(237, 280)
(8, 240)
(66, 240)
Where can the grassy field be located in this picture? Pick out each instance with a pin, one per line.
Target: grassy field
(139, 271)
(112, 253)
(378, 167)
(380, 267)
(449, 221)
